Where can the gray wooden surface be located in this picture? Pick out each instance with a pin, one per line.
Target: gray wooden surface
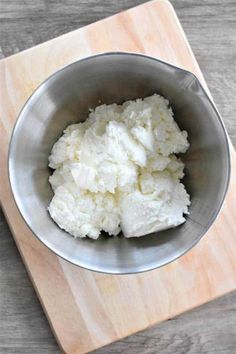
(211, 29)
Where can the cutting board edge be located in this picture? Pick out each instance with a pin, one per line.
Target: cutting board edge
(42, 44)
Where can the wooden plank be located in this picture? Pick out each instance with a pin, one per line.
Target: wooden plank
(81, 322)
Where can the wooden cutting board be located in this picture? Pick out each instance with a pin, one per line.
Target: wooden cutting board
(87, 310)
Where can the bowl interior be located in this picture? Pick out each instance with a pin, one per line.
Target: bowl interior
(65, 98)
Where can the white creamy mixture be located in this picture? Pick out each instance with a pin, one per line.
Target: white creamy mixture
(117, 171)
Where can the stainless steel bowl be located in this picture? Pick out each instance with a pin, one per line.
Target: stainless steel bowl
(65, 98)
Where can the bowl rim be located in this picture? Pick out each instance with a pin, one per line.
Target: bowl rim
(132, 270)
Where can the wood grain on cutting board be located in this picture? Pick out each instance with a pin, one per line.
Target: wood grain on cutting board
(86, 309)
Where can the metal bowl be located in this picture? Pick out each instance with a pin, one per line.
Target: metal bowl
(65, 98)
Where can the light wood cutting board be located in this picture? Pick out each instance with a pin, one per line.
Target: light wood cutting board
(87, 310)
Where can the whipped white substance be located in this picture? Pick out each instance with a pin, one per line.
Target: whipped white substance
(117, 170)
